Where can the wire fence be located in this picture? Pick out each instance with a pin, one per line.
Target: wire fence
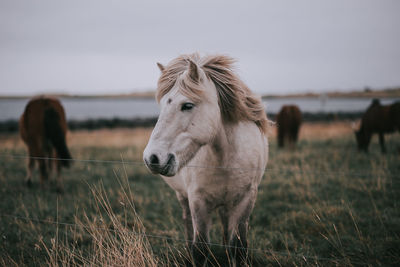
(180, 240)
(305, 257)
(215, 167)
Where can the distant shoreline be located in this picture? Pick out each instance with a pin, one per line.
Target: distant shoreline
(11, 126)
(366, 93)
(74, 96)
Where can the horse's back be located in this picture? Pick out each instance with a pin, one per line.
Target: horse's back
(32, 121)
(289, 115)
(40, 115)
(289, 120)
(297, 114)
(381, 119)
(36, 109)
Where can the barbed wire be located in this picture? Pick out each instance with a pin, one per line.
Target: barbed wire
(266, 170)
(181, 240)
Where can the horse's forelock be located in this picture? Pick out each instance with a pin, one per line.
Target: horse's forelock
(174, 73)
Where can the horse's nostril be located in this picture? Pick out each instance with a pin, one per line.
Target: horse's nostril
(154, 159)
(171, 159)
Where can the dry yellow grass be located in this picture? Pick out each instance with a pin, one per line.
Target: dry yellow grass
(110, 137)
(322, 130)
(10, 141)
(325, 130)
(106, 137)
(138, 137)
(112, 244)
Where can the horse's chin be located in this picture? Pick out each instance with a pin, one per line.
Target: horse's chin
(168, 170)
(173, 168)
(171, 171)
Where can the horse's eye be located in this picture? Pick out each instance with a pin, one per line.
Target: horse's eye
(187, 106)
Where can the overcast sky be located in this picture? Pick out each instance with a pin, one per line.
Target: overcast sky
(96, 47)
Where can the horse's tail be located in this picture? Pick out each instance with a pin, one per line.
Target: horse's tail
(56, 135)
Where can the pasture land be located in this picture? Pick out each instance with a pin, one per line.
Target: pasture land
(322, 204)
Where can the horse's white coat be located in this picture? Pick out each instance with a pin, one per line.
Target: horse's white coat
(217, 164)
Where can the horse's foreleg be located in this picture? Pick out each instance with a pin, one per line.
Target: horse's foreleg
(296, 134)
(293, 137)
(238, 226)
(59, 186)
(367, 141)
(239, 244)
(382, 142)
(187, 218)
(281, 138)
(225, 224)
(43, 171)
(29, 169)
(201, 225)
(49, 163)
(31, 164)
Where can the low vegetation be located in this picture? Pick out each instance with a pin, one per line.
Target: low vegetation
(321, 204)
(11, 126)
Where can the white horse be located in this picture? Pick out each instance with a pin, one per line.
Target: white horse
(210, 146)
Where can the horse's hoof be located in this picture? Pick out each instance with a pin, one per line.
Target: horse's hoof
(28, 183)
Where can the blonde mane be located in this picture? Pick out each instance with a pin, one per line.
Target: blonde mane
(236, 101)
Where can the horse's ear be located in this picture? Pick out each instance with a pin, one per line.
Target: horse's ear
(193, 71)
(160, 66)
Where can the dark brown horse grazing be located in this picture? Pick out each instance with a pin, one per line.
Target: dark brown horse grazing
(378, 119)
(43, 128)
(289, 120)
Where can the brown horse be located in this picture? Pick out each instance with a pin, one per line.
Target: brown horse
(289, 120)
(378, 119)
(43, 128)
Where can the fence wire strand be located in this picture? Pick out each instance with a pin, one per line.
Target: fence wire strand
(141, 163)
(137, 163)
(154, 236)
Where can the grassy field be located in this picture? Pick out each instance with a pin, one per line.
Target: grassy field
(322, 204)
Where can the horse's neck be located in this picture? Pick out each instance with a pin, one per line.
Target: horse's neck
(225, 142)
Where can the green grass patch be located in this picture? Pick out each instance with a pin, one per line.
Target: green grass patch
(322, 204)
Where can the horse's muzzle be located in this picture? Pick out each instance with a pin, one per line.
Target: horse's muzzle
(155, 166)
